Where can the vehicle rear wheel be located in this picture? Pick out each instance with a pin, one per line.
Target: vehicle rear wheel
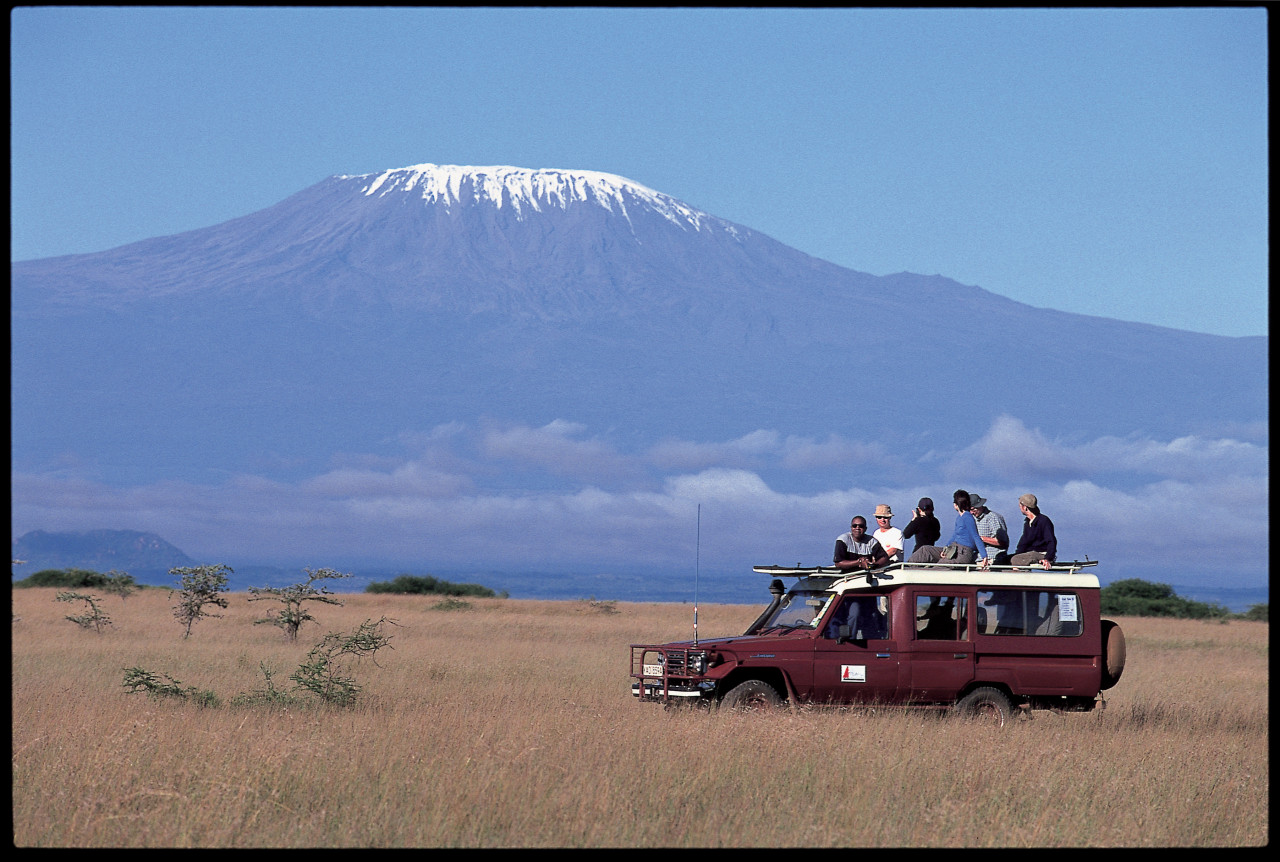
(752, 695)
(986, 704)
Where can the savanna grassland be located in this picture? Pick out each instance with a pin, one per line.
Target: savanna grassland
(510, 724)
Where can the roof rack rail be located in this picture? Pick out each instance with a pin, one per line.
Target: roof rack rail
(836, 572)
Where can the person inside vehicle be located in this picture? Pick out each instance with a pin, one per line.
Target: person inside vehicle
(857, 550)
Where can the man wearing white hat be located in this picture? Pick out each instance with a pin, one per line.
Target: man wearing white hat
(889, 536)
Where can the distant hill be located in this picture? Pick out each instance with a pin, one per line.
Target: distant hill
(97, 550)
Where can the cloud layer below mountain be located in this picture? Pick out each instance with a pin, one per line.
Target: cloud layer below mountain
(485, 497)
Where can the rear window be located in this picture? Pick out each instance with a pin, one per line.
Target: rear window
(1045, 613)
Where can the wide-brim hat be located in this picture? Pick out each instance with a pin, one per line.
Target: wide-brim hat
(975, 501)
(883, 511)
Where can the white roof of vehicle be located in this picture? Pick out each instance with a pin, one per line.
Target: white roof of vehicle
(1066, 575)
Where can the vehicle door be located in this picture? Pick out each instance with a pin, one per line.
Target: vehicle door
(941, 656)
(855, 660)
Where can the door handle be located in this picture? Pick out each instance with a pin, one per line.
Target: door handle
(959, 655)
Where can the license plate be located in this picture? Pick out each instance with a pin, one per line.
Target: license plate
(653, 670)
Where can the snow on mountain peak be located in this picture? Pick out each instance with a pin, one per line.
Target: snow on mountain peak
(526, 187)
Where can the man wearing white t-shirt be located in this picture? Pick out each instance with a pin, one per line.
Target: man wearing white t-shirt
(889, 536)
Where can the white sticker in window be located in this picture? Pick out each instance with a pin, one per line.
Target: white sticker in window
(1067, 609)
(853, 673)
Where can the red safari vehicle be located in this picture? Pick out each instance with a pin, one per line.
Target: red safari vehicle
(983, 641)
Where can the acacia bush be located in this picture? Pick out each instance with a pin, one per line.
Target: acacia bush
(201, 586)
(94, 618)
(291, 617)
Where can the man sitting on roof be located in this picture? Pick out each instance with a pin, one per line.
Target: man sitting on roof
(856, 550)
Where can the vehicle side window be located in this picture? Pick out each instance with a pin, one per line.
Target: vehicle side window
(1028, 612)
(942, 618)
(866, 616)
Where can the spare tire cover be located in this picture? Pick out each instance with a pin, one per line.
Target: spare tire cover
(1113, 653)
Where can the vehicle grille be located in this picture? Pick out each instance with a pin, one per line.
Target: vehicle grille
(677, 659)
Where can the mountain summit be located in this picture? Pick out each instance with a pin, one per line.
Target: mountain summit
(522, 188)
(369, 306)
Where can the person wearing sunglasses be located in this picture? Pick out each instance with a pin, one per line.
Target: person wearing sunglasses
(889, 536)
(857, 550)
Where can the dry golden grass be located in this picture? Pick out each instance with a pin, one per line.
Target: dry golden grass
(510, 724)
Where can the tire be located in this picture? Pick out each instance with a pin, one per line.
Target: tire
(986, 704)
(1113, 654)
(752, 695)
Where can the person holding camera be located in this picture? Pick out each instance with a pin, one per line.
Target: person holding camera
(964, 547)
(923, 525)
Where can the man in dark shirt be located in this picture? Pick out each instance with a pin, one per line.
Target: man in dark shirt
(856, 550)
(924, 526)
(1038, 543)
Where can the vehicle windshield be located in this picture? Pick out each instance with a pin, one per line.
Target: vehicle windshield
(799, 609)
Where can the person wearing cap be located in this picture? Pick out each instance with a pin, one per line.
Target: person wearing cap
(889, 536)
(964, 546)
(923, 525)
(856, 550)
(992, 529)
(1038, 544)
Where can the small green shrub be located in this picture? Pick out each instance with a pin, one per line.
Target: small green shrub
(1256, 613)
(156, 686)
(601, 606)
(95, 619)
(326, 671)
(119, 584)
(451, 604)
(267, 696)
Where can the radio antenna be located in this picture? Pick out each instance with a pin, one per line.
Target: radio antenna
(697, 565)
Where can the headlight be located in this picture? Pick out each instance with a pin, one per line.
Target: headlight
(698, 663)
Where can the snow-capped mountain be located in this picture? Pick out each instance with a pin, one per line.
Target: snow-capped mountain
(522, 188)
(368, 305)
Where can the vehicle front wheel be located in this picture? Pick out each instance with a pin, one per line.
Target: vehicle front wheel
(986, 704)
(752, 695)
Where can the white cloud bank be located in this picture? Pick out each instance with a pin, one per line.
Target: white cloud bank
(556, 496)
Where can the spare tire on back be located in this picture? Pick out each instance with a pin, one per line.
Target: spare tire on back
(1113, 653)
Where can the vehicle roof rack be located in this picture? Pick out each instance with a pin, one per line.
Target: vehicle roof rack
(1061, 566)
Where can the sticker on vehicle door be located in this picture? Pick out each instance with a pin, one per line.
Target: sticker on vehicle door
(1067, 609)
(853, 673)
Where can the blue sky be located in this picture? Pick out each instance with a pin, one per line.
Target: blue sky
(1111, 162)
